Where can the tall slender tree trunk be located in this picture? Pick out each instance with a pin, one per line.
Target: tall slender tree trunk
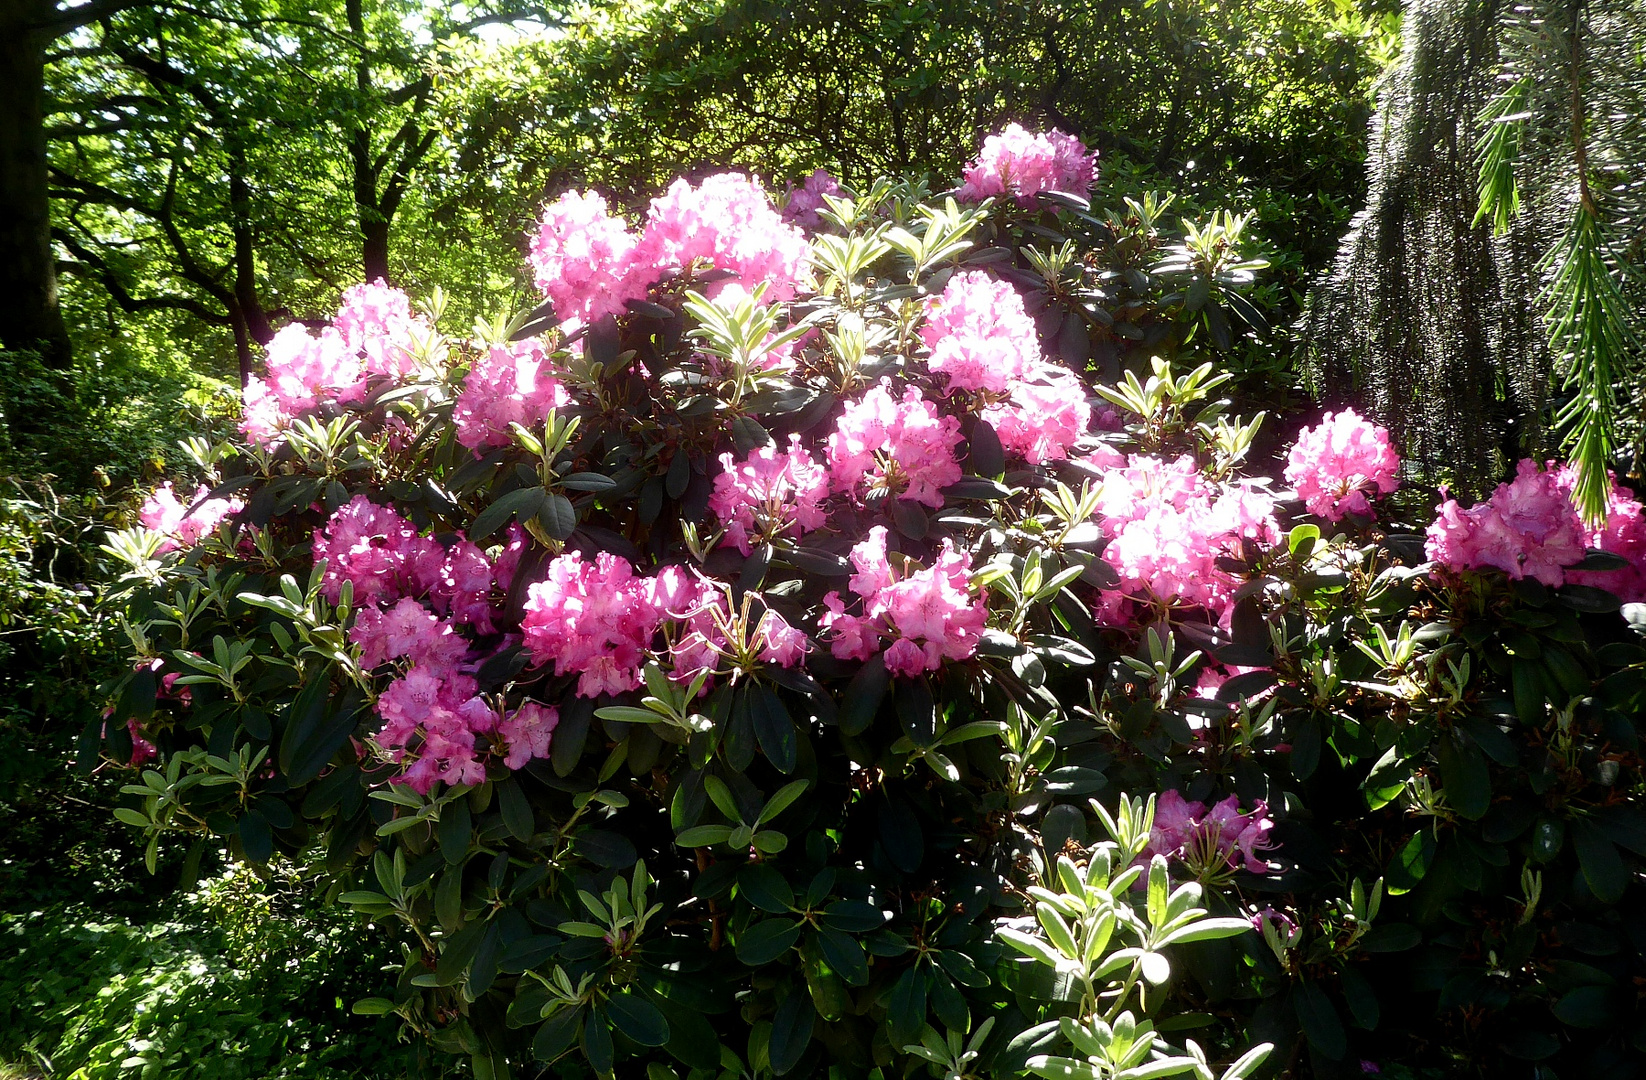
(375, 247)
(29, 312)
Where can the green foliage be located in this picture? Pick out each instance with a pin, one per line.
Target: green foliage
(244, 979)
(795, 867)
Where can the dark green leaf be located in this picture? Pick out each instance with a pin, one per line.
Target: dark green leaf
(557, 517)
(863, 696)
(255, 838)
(454, 831)
(853, 917)
(1464, 776)
(597, 1041)
(638, 1019)
(1390, 937)
(917, 710)
(1603, 867)
(521, 502)
(906, 1006)
(773, 727)
(604, 847)
(762, 885)
(988, 457)
(791, 1031)
(765, 941)
(1319, 1020)
(557, 1034)
(845, 956)
(516, 810)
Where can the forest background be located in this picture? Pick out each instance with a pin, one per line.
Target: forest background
(216, 171)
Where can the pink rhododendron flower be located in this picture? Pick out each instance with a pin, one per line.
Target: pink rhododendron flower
(407, 629)
(166, 514)
(1168, 527)
(377, 324)
(1337, 464)
(595, 619)
(584, 259)
(303, 370)
(378, 552)
(729, 221)
(509, 384)
(929, 613)
(804, 202)
(1211, 841)
(1528, 528)
(427, 712)
(1022, 165)
(780, 643)
(902, 447)
(527, 732)
(769, 494)
(373, 334)
(1042, 419)
(979, 334)
(1624, 535)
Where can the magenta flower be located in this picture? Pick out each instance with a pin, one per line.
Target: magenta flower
(979, 334)
(929, 614)
(166, 514)
(594, 619)
(903, 448)
(1168, 527)
(510, 384)
(1336, 465)
(1527, 529)
(583, 259)
(803, 203)
(1211, 842)
(729, 221)
(378, 552)
(769, 494)
(1021, 165)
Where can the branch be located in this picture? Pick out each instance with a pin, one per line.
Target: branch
(96, 267)
(62, 20)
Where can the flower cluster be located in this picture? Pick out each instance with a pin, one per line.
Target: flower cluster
(903, 448)
(1022, 165)
(929, 615)
(984, 342)
(1623, 535)
(509, 384)
(1336, 465)
(598, 620)
(769, 494)
(441, 731)
(374, 335)
(979, 335)
(590, 265)
(1211, 842)
(1168, 526)
(583, 259)
(803, 203)
(164, 513)
(1527, 529)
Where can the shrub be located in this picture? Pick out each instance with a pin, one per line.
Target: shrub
(727, 678)
(242, 979)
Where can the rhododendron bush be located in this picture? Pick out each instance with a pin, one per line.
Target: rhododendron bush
(732, 665)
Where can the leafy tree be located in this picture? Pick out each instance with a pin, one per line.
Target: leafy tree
(214, 163)
(1262, 99)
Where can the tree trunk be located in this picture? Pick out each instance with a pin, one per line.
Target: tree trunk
(375, 247)
(29, 312)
